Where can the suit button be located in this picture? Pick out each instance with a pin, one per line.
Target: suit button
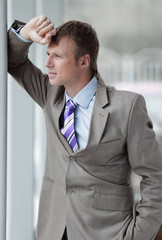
(70, 191)
(72, 158)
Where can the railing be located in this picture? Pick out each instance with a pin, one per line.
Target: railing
(145, 65)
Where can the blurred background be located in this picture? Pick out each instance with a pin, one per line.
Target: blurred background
(130, 58)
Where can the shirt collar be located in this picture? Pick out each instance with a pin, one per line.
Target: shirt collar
(84, 97)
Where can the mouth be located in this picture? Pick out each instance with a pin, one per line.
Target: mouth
(52, 74)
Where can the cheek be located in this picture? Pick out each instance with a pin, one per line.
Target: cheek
(62, 65)
(66, 67)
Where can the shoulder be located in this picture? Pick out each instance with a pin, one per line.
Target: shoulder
(125, 97)
(121, 98)
(121, 94)
(115, 93)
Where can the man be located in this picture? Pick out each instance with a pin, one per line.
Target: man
(85, 189)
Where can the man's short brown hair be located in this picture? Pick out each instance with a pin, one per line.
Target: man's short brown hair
(85, 38)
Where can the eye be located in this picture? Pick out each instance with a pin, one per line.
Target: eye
(58, 56)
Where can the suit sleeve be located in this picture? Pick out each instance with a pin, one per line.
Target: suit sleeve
(24, 71)
(145, 157)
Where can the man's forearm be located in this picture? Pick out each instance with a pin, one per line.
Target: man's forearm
(17, 46)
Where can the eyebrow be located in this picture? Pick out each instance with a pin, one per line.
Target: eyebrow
(55, 53)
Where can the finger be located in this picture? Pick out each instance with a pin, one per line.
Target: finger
(53, 32)
(48, 20)
(47, 37)
(44, 24)
(50, 34)
(46, 29)
(45, 40)
(41, 19)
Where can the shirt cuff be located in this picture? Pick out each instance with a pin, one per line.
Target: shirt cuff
(16, 32)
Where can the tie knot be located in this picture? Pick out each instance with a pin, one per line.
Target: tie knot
(71, 105)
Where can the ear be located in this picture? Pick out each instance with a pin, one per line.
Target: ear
(85, 61)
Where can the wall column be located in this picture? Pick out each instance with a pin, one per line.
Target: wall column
(3, 116)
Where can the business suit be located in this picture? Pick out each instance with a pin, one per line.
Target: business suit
(88, 191)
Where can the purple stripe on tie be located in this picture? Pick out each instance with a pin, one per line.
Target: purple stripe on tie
(68, 131)
(68, 113)
(73, 142)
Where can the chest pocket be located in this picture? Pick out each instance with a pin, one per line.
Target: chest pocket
(102, 153)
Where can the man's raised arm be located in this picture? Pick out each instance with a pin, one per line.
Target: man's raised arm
(20, 37)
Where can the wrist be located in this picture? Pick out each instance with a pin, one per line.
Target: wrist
(24, 34)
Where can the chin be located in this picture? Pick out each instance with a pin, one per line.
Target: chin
(53, 82)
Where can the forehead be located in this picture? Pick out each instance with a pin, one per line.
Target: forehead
(64, 45)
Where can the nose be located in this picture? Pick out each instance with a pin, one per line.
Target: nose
(49, 62)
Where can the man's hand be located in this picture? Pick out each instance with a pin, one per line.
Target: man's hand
(39, 30)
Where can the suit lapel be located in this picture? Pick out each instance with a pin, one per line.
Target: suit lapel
(99, 115)
(57, 110)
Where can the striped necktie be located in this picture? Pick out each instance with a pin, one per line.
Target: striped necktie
(68, 129)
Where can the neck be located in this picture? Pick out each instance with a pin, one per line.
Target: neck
(74, 89)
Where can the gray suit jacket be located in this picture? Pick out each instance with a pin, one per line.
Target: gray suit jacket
(89, 191)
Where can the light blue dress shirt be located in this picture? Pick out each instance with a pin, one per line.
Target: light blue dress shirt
(85, 100)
